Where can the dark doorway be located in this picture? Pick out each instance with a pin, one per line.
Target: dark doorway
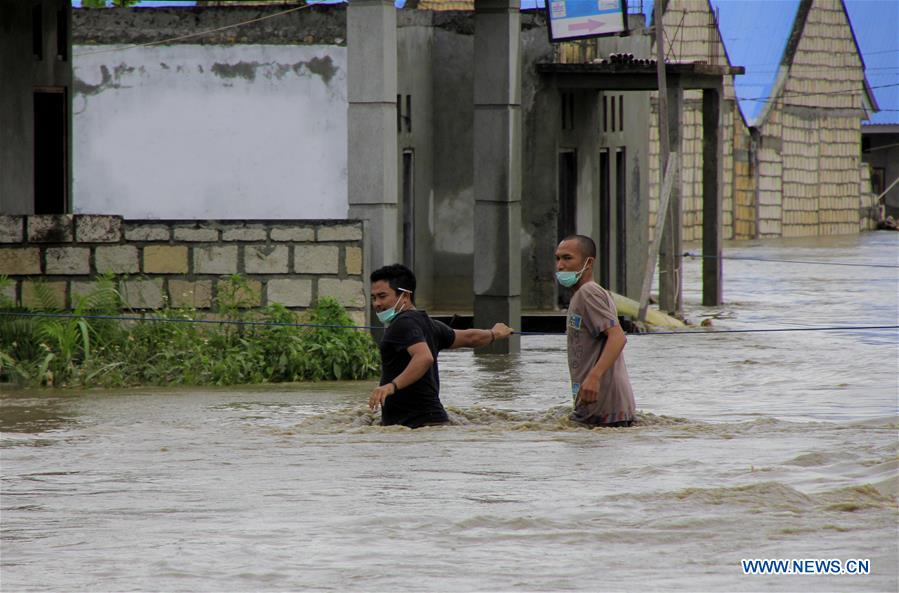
(620, 221)
(567, 218)
(604, 256)
(567, 221)
(409, 208)
(50, 152)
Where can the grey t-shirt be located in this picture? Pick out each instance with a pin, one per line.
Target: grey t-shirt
(591, 312)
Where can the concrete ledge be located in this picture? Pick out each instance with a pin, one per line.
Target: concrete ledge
(51, 228)
(92, 228)
(198, 234)
(292, 234)
(147, 233)
(244, 233)
(340, 233)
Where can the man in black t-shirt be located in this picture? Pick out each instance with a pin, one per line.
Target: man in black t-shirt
(409, 390)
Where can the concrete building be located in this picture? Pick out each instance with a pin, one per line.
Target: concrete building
(269, 85)
(283, 118)
(35, 106)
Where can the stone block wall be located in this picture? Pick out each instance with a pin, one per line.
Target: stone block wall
(744, 181)
(175, 263)
(691, 166)
(868, 209)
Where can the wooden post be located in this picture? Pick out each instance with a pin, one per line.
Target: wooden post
(670, 280)
(665, 172)
(667, 185)
(712, 179)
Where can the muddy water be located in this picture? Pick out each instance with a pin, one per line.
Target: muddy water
(770, 445)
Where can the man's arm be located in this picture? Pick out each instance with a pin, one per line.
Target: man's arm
(478, 338)
(419, 364)
(615, 341)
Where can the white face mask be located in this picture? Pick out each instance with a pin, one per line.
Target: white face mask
(569, 279)
(387, 315)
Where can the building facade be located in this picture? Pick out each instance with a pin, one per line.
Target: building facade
(809, 134)
(251, 122)
(35, 106)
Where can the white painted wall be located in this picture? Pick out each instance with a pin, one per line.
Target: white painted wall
(210, 132)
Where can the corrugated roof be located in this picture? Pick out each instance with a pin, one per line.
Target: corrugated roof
(445, 5)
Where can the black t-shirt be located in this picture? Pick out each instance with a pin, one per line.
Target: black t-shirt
(417, 404)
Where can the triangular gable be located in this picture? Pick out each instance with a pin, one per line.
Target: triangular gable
(786, 60)
(869, 94)
(751, 38)
(789, 54)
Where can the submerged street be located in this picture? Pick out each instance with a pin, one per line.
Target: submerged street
(747, 445)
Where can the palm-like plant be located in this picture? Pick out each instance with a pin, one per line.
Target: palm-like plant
(51, 349)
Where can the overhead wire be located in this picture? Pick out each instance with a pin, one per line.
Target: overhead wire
(240, 322)
(743, 331)
(788, 261)
(791, 94)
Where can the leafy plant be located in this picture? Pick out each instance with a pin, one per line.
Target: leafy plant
(55, 349)
(84, 348)
(337, 352)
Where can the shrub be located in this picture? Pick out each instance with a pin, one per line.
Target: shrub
(175, 347)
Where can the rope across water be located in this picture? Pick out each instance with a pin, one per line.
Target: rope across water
(369, 327)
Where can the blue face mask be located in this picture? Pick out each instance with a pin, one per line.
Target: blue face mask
(569, 279)
(387, 315)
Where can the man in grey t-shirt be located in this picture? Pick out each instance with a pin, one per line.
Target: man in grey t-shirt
(599, 382)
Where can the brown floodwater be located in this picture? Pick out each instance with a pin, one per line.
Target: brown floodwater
(748, 445)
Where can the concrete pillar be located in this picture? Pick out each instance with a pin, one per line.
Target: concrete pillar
(712, 194)
(670, 282)
(497, 168)
(371, 126)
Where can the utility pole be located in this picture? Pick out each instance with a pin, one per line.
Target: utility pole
(667, 170)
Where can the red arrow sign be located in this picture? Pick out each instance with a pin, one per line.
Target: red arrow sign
(590, 25)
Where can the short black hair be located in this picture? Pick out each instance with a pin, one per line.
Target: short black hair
(584, 243)
(397, 276)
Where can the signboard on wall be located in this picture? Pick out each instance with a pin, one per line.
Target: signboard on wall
(579, 19)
